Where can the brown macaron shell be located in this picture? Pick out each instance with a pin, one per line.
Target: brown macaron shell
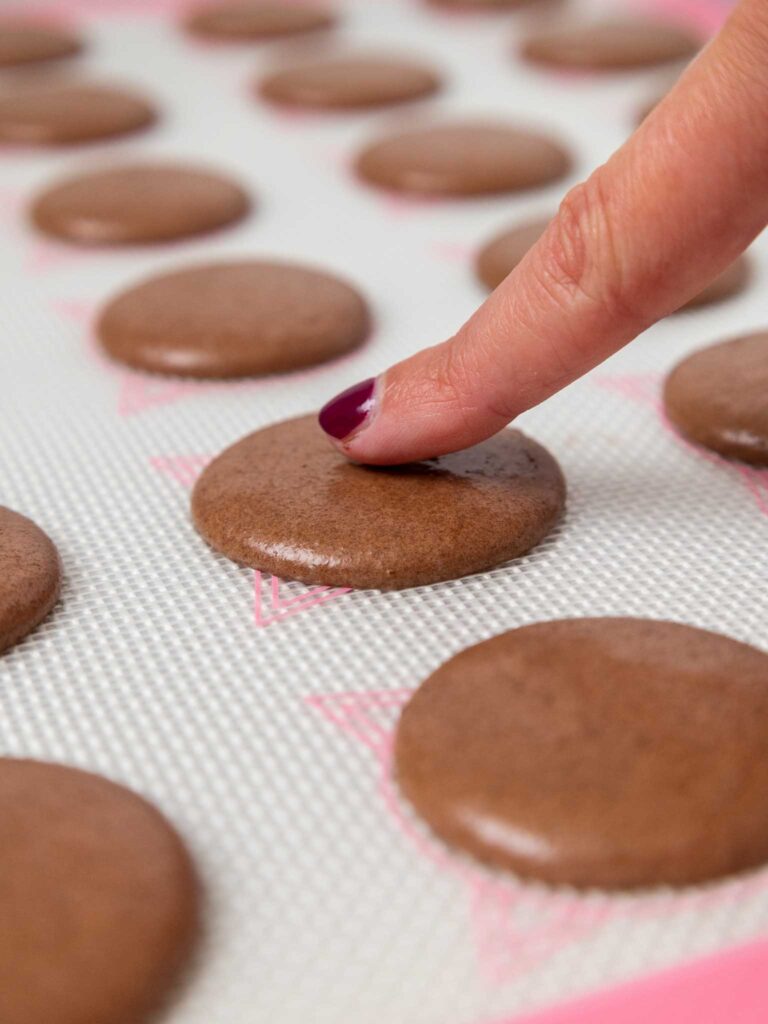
(502, 254)
(499, 257)
(68, 113)
(608, 753)
(138, 204)
(255, 20)
(728, 284)
(231, 320)
(350, 83)
(468, 158)
(718, 398)
(28, 42)
(285, 501)
(613, 44)
(30, 577)
(99, 897)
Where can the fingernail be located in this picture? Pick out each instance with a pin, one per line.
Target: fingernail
(347, 412)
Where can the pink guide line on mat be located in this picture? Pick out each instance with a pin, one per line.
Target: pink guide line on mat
(11, 202)
(277, 608)
(184, 469)
(645, 390)
(452, 252)
(39, 254)
(515, 926)
(67, 12)
(706, 15)
(54, 13)
(45, 256)
(404, 206)
(138, 391)
(727, 988)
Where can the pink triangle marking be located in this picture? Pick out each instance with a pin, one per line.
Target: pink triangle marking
(505, 945)
(57, 13)
(644, 389)
(289, 117)
(11, 202)
(280, 608)
(44, 256)
(82, 314)
(139, 392)
(77, 310)
(136, 391)
(68, 11)
(184, 469)
(402, 206)
(727, 988)
(452, 252)
(515, 927)
(706, 15)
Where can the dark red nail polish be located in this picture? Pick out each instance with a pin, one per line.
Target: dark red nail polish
(345, 413)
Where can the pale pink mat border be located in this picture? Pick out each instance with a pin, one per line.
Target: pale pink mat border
(728, 988)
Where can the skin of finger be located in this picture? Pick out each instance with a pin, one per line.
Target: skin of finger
(647, 231)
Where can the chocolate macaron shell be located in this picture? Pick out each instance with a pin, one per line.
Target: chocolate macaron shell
(470, 158)
(138, 204)
(613, 44)
(257, 20)
(25, 42)
(100, 900)
(501, 255)
(350, 83)
(285, 501)
(605, 753)
(229, 320)
(30, 577)
(717, 398)
(731, 282)
(64, 114)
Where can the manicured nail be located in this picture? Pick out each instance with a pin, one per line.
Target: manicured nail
(347, 412)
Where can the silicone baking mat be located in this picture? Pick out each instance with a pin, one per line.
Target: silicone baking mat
(258, 713)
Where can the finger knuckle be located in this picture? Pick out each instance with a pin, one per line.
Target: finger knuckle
(581, 260)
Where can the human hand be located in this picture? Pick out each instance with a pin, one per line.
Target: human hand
(671, 209)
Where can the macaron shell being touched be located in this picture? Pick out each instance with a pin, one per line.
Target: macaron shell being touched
(285, 501)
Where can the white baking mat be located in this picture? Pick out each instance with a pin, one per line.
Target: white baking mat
(257, 714)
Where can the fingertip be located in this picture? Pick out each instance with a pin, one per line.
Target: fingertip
(349, 412)
(406, 415)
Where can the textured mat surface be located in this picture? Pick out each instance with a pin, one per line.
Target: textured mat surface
(257, 713)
